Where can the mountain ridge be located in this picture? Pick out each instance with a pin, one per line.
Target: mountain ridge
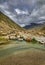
(7, 25)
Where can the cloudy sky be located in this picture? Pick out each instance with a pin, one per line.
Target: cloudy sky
(24, 12)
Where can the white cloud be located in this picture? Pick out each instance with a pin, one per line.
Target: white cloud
(43, 17)
(34, 12)
(22, 25)
(38, 14)
(41, 22)
(7, 12)
(18, 11)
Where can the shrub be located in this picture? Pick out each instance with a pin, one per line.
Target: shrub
(34, 40)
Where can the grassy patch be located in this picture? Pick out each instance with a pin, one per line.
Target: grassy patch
(3, 40)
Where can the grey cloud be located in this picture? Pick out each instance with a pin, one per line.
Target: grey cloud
(35, 8)
(16, 2)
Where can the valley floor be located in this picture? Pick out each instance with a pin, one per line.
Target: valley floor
(22, 53)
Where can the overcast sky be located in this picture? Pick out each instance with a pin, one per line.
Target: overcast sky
(24, 12)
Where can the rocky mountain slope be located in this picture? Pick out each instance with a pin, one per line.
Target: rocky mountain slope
(7, 26)
(39, 30)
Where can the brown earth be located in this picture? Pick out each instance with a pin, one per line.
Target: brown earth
(30, 57)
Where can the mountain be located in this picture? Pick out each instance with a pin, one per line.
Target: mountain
(32, 25)
(37, 30)
(7, 26)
